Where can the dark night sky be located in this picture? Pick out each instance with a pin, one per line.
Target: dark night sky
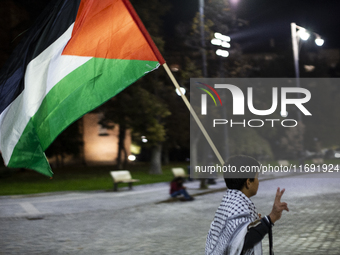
(267, 19)
(271, 19)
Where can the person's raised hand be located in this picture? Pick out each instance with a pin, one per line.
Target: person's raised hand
(278, 206)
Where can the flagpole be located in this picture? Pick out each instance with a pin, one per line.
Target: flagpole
(193, 113)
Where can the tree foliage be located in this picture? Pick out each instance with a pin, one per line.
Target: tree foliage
(68, 143)
(140, 107)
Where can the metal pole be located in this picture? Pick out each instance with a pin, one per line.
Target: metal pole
(295, 43)
(204, 57)
(225, 116)
(226, 133)
(204, 60)
(295, 52)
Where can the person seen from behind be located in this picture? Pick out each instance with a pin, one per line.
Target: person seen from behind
(237, 228)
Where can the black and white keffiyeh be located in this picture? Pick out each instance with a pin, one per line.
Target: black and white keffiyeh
(229, 227)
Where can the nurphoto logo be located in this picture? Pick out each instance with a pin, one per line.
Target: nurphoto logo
(238, 107)
(259, 117)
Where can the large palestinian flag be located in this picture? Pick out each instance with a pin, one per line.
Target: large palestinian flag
(79, 54)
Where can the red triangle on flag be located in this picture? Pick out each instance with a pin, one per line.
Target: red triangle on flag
(105, 29)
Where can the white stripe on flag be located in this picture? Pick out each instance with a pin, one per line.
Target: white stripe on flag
(42, 74)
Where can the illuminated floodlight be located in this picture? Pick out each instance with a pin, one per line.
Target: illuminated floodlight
(319, 41)
(309, 68)
(222, 37)
(180, 89)
(132, 157)
(215, 41)
(222, 53)
(225, 44)
(234, 1)
(304, 35)
(144, 140)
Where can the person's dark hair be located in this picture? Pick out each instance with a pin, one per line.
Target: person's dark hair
(238, 161)
(178, 179)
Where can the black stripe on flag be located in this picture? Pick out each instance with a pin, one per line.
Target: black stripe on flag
(50, 25)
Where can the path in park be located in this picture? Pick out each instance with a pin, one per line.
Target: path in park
(133, 222)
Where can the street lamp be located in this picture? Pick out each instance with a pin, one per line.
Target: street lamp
(304, 35)
(319, 41)
(298, 33)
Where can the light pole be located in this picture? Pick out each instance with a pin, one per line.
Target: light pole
(204, 56)
(298, 33)
(223, 41)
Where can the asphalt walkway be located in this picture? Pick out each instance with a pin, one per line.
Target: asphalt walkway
(135, 222)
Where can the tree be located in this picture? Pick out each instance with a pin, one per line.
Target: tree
(138, 110)
(139, 107)
(68, 143)
(292, 142)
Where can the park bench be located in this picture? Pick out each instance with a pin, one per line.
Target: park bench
(179, 172)
(317, 161)
(123, 176)
(283, 162)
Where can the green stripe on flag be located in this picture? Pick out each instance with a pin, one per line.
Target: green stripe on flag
(79, 92)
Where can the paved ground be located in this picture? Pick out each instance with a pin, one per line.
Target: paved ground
(133, 222)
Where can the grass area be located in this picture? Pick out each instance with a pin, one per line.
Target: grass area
(76, 178)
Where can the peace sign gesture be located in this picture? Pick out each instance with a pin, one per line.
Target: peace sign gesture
(278, 206)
